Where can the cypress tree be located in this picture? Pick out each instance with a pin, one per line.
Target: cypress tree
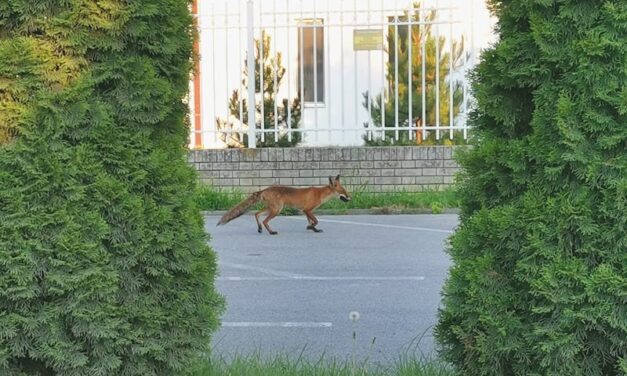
(539, 281)
(104, 266)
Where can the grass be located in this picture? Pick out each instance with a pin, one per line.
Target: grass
(281, 365)
(210, 199)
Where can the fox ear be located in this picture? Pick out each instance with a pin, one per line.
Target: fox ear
(337, 178)
(330, 180)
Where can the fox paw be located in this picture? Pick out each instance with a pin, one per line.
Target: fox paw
(273, 232)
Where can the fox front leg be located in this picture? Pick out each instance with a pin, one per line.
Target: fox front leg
(313, 221)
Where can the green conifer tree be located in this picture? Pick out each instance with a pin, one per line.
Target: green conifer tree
(267, 63)
(398, 49)
(104, 266)
(539, 282)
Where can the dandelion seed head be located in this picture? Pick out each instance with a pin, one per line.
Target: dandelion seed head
(353, 316)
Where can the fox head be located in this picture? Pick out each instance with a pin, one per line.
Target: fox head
(337, 188)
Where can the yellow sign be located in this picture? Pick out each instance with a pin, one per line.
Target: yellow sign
(367, 40)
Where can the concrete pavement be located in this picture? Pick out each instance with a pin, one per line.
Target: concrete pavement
(294, 291)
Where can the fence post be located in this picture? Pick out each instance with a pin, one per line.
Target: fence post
(250, 58)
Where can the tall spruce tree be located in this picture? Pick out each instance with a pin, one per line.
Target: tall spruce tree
(398, 50)
(273, 70)
(104, 266)
(539, 282)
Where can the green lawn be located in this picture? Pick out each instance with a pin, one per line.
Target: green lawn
(210, 198)
(286, 366)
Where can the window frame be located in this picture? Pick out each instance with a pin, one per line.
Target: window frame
(315, 25)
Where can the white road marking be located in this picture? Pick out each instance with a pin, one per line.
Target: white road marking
(278, 275)
(313, 278)
(378, 225)
(273, 272)
(288, 324)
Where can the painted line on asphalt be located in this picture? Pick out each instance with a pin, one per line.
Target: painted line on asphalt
(276, 273)
(288, 324)
(312, 278)
(378, 225)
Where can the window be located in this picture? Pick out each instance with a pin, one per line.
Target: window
(312, 93)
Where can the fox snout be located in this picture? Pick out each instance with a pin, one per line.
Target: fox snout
(345, 198)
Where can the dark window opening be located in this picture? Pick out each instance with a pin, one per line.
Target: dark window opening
(306, 48)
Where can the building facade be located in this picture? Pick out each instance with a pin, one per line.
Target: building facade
(338, 70)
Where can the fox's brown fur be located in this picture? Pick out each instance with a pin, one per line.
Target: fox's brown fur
(278, 196)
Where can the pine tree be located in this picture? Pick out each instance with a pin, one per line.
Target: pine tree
(398, 49)
(263, 59)
(539, 282)
(104, 266)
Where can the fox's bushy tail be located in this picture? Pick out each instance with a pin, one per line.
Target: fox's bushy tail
(240, 208)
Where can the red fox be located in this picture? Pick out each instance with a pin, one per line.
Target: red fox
(277, 196)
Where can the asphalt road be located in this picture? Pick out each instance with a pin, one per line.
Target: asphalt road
(293, 292)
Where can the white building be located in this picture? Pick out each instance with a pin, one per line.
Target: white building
(350, 59)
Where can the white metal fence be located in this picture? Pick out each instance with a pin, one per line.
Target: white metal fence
(332, 72)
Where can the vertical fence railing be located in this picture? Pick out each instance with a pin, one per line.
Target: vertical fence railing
(289, 75)
(409, 68)
(250, 59)
(433, 99)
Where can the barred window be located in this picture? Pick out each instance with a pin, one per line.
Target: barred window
(306, 47)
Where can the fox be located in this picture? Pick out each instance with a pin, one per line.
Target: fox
(277, 196)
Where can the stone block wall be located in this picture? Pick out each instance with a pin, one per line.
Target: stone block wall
(375, 169)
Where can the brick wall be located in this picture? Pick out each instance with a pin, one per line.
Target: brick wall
(377, 169)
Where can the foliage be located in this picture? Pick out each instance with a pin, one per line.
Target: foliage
(104, 266)
(210, 198)
(238, 104)
(416, 138)
(539, 282)
(28, 65)
(398, 50)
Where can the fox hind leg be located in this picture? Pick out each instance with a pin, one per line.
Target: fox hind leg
(257, 214)
(273, 211)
